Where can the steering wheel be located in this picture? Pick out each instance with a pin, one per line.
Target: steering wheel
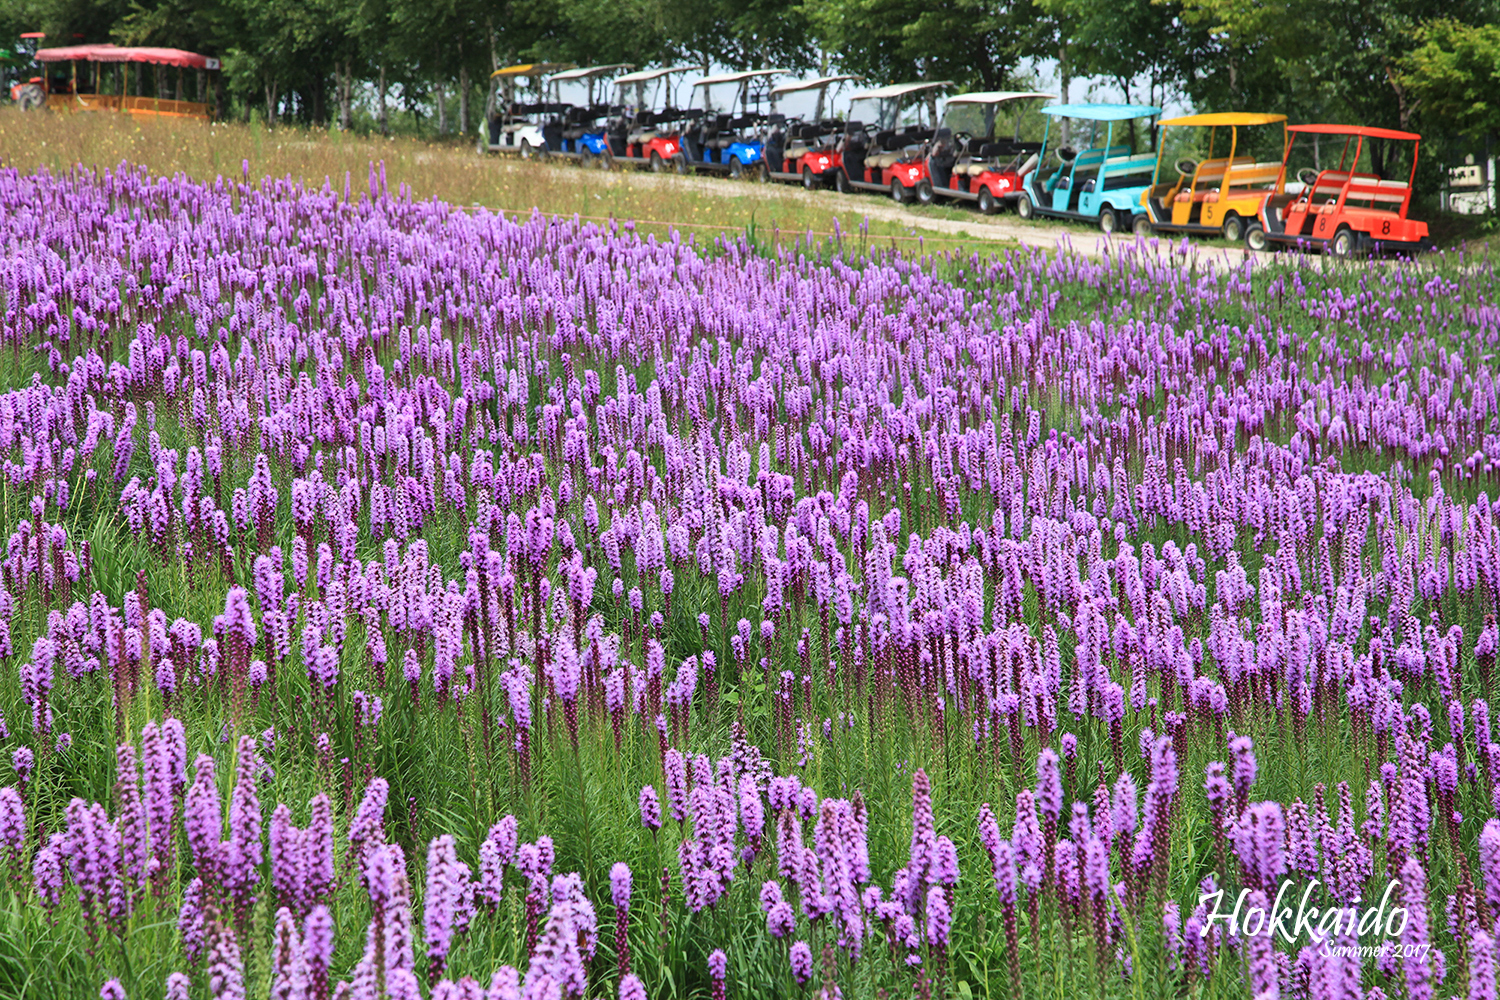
(1187, 167)
(1308, 176)
(1066, 155)
(961, 137)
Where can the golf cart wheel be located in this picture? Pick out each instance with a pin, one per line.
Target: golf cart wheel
(1024, 208)
(1108, 221)
(658, 165)
(898, 192)
(586, 160)
(1142, 226)
(924, 193)
(809, 179)
(680, 164)
(527, 153)
(604, 161)
(1343, 243)
(1234, 228)
(1255, 237)
(987, 203)
(31, 98)
(736, 168)
(841, 182)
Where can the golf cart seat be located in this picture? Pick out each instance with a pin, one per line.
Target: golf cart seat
(1029, 166)
(642, 129)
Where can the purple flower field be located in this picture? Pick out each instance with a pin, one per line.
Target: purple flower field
(400, 602)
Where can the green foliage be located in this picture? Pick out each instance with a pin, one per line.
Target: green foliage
(1454, 74)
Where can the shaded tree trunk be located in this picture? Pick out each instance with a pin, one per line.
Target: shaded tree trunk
(441, 94)
(271, 99)
(1064, 84)
(346, 88)
(382, 115)
(463, 97)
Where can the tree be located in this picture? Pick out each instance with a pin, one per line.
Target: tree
(1453, 76)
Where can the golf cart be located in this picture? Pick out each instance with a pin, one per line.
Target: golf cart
(881, 157)
(1103, 183)
(516, 124)
(722, 141)
(642, 136)
(573, 134)
(967, 161)
(1221, 193)
(806, 151)
(1345, 210)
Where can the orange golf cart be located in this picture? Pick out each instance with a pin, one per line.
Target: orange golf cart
(1221, 193)
(1345, 205)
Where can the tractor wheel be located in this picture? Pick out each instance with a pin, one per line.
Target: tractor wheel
(1255, 237)
(1024, 208)
(1343, 243)
(658, 165)
(736, 169)
(841, 182)
(809, 179)
(898, 192)
(31, 98)
(527, 153)
(1142, 226)
(1234, 228)
(1108, 221)
(987, 203)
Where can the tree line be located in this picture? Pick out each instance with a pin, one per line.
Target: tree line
(1428, 65)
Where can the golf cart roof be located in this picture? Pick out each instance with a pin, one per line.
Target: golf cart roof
(709, 81)
(793, 86)
(1225, 118)
(585, 72)
(530, 69)
(998, 96)
(899, 89)
(1363, 130)
(643, 75)
(1102, 112)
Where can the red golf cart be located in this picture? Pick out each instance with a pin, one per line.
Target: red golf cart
(802, 150)
(645, 137)
(965, 159)
(883, 156)
(1347, 208)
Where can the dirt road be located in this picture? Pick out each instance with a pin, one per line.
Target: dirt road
(1007, 227)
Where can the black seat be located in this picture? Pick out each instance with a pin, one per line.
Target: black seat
(854, 128)
(990, 150)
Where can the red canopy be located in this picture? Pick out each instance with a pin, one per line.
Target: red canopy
(1364, 130)
(119, 54)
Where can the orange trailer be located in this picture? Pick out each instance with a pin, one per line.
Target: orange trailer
(88, 85)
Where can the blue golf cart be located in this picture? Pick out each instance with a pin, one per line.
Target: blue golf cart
(725, 142)
(1103, 183)
(574, 133)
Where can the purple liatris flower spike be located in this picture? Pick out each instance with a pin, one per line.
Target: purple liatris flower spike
(177, 987)
(112, 990)
(650, 809)
(800, 956)
(1417, 961)
(631, 987)
(718, 968)
(1481, 966)
(443, 890)
(619, 894)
